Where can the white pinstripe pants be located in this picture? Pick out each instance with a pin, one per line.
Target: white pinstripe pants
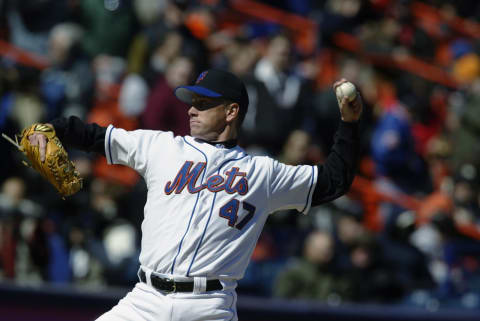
(145, 303)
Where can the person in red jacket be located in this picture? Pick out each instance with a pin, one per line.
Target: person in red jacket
(164, 111)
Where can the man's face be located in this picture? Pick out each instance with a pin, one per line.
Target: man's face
(208, 117)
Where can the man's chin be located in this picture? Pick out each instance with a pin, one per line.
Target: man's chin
(196, 134)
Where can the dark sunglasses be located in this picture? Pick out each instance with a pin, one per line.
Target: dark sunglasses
(203, 104)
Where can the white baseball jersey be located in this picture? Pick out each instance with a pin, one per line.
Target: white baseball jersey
(206, 204)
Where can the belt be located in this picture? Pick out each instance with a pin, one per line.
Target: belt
(169, 285)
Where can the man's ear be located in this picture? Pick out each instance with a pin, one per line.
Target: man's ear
(232, 111)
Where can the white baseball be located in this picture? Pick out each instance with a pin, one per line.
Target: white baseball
(347, 89)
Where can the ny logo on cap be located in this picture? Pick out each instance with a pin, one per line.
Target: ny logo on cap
(201, 77)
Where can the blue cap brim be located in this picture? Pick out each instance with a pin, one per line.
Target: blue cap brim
(185, 93)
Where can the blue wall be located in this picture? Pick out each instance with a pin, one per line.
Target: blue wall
(59, 303)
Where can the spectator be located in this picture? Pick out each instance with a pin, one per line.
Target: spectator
(67, 85)
(465, 127)
(313, 276)
(110, 26)
(348, 231)
(372, 281)
(406, 263)
(163, 55)
(122, 249)
(394, 154)
(30, 22)
(23, 102)
(287, 90)
(133, 96)
(256, 129)
(164, 111)
(165, 38)
(85, 268)
(14, 208)
(454, 259)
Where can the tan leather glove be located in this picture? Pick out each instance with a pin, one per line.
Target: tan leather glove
(56, 168)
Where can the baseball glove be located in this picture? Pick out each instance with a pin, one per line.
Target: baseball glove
(56, 168)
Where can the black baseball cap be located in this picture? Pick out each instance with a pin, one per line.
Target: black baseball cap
(216, 83)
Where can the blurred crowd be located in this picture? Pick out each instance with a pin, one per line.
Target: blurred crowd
(409, 230)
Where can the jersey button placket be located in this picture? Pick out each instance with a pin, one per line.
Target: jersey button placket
(206, 201)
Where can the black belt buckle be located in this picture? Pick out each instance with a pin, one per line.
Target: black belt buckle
(174, 286)
(164, 284)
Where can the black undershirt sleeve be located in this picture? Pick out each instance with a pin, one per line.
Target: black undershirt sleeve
(73, 132)
(335, 176)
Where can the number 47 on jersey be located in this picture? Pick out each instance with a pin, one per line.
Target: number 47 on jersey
(229, 211)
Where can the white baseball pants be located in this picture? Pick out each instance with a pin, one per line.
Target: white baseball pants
(145, 303)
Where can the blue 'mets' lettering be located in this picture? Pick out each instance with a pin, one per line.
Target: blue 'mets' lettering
(184, 177)
(214, 183)
(241, 187)
(188, 177)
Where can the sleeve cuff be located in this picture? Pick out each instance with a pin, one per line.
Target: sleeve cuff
(108, 148)
(313, 184)
(60, 125)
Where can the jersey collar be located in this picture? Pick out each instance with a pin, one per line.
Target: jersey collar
(226, 144)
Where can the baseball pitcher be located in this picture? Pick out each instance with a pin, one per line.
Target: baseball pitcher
(208, 200)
